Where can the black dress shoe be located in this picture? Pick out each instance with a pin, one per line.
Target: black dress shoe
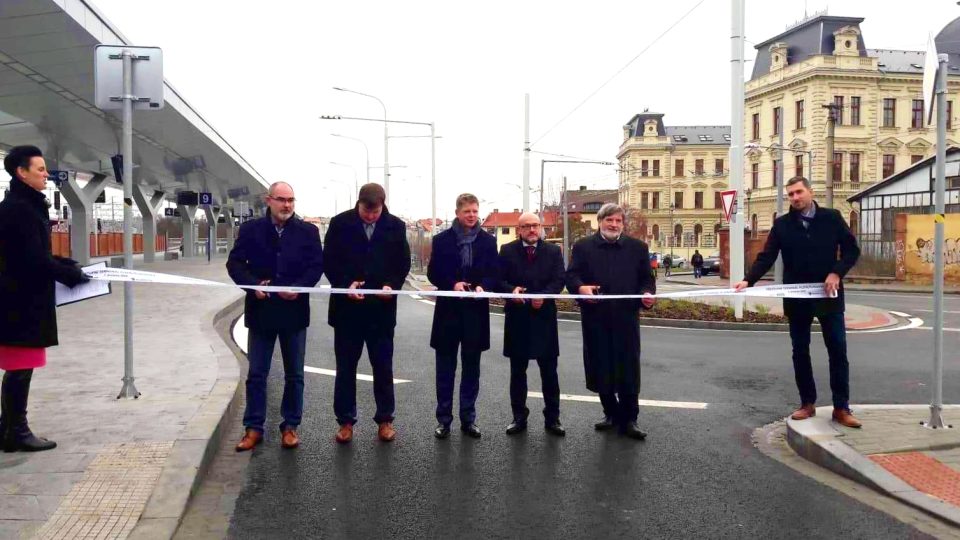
(29, 443)
(516, 427)
(604, 424)
(556, 429)
(442, 431)
(632, 430)
(471, 430)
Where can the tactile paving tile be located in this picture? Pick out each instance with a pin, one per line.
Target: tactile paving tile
(108, 500)
(924, 473)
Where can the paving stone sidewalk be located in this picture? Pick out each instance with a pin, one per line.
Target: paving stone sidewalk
(124, 468)
(893, 453)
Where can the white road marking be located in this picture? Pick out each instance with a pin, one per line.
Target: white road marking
(360, 376)
(643, 402)
(931, 311)
(945, 329)
(416, 297)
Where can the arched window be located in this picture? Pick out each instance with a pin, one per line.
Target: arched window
(677, 234)
(643, 232)
(753, 226)
(697, 233)
(656, 234)
(854, 222)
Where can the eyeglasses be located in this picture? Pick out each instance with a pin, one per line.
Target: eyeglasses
(530, 226)
(284, 200)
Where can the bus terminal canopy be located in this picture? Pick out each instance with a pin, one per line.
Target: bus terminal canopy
(47, 96)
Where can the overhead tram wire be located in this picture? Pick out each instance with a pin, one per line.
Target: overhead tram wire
(619, 71)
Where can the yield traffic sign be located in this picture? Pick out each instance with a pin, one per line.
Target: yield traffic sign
(729, 200)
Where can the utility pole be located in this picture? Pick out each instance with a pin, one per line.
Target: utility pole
(831, 123)
(566, 226)
(778, 266)
(736, 148)
(526, 153)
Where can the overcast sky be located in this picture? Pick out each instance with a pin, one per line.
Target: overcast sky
(262, 73)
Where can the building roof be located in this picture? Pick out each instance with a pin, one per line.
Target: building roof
(812, 37)
(893, 61)
(893, 178)
(425, 223)
(577, 198)
(512, 219)
(696, 135)
(635, 125)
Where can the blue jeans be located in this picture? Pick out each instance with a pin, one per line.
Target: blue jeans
(469, 385)
(260, 343)
(348, 347)
(835, 338)
(697, 272)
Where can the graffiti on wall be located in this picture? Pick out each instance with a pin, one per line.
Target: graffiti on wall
(920, 247)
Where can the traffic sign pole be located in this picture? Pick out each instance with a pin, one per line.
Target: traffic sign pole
(129, 390)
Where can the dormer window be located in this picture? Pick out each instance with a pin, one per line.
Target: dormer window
(778, 55)
(846, 41)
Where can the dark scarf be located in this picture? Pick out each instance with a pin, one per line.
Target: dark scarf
(37, 200)
(465, 239)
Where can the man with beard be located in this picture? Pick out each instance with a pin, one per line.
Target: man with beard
(611, 262)
(366, 248)
(464, 259)
(278, 249)
(530, 265)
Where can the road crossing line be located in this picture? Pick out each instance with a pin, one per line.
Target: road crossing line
(643, 402)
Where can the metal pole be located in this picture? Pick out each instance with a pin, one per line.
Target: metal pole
(736, 147)
(778, 266)
(386, 159)
(566, 226)
(433, 180)
(831, 123)
(526, 152)
(936, 407)
(542, 162)
(129, 390)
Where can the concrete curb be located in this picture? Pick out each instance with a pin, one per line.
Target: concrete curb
(194, 450)
(816, 440)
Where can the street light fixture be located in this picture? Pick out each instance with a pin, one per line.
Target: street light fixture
(386, 137)
(365, 149)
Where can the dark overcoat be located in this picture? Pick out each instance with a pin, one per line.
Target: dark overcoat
(528, 332)
(462, 321)
(294, 258)
(384, 259)
(611, 331)
(28, 311)
(809, 256)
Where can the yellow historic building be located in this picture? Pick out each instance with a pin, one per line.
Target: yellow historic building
(673, 176)
(879, 130)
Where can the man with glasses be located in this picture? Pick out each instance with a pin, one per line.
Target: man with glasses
(282, 250)
(530, 265)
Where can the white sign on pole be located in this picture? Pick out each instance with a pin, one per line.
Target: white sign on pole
(728, 199)
(147, 77)
(930, 66)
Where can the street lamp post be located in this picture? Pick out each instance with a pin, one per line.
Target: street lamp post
(386, 138)
(365, 150)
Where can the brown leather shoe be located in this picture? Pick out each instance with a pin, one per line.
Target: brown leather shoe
(250, 439)
(807, 410)
(845, 418)
(386, 433)
(290, 439)
(345, 434)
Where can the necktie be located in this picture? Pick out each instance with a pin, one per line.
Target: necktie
(368, 228)
(530, 250)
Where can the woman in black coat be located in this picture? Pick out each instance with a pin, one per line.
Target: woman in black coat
(28, 317)
(464, 258)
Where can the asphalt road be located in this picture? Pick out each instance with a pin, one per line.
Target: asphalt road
(697, 474)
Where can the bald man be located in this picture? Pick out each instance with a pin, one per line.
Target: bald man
(530, 265)
(277, 249)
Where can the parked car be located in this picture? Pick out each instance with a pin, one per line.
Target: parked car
(676, 261)
(711, 264)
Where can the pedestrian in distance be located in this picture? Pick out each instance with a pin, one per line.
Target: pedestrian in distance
(28, 313)
(610, 262)
(365, 248)
(278, 249)
(817, 246)
(697, 262)
(667, 265)
(464, 259)
(530, 265)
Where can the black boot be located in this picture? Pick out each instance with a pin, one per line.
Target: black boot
(16, 390)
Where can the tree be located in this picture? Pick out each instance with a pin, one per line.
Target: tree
(635, 223)
(578, 227)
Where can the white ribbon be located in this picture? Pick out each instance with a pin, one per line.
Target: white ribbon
(793, 290)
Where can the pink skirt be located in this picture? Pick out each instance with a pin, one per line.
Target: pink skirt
(13, 358)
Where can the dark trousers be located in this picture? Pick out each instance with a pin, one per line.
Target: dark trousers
(14, 392)
(835, 338)
(260, 344)
(620, 406)
(469, 385)
(348, 347)
(551, 389)
(697, 272)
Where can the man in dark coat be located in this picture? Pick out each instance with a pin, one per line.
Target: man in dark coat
(697, 262)
(279, 249)
(610, 262)
(809, 238)
(28, 316)
(530, 265)
(366, 247)
(464, 259)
